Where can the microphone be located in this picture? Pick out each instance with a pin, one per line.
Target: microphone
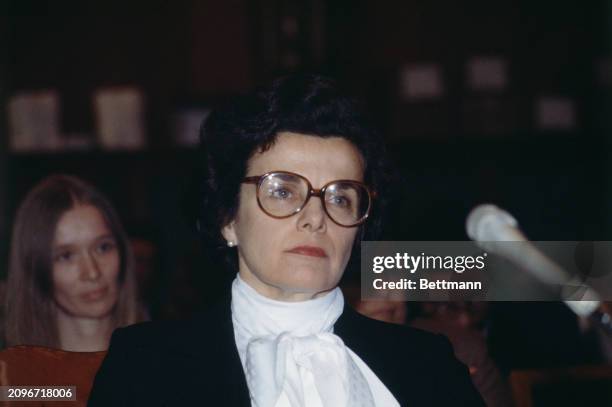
(490, 226)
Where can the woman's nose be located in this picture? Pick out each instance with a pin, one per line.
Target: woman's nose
(90, 268)
(312, 216)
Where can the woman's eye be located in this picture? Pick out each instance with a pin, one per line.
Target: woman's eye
(64, 257)
(105, 247)
(281, 193)
(340, 201)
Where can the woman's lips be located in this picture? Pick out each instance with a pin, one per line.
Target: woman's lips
(95, 295)
(308, 251)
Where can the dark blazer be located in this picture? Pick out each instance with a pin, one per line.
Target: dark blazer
(196, 363)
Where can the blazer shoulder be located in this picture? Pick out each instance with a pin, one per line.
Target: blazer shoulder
(166, 355)
(150, 333)
(195, 331)
(372, 330)
(416, 366)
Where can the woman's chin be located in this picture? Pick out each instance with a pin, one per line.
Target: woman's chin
(310, 280)
(93, 311)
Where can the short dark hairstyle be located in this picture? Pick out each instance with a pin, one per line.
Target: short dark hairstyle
(305, 103)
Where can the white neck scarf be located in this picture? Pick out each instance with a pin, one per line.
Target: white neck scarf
(292, 358)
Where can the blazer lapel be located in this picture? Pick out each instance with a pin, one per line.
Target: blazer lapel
(223, 357)
(375, 350)
(210, 371)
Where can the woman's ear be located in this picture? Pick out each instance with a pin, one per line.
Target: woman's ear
(229, 233)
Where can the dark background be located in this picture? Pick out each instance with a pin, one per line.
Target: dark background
(464, 148)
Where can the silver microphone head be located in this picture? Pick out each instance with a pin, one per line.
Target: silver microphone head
(485, 219)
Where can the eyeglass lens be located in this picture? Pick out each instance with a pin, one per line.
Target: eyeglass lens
(284, 194)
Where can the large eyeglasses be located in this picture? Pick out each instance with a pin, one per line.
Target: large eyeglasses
(281, 194)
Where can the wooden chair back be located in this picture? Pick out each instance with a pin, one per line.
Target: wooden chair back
(38, 366)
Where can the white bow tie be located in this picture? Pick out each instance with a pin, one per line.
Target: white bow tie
(281, 363)
(291, 357)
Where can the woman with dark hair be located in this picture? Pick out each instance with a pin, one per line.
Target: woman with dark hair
(295, 180)
(70, 280)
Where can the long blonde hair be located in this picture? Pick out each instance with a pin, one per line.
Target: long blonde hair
(30, 309)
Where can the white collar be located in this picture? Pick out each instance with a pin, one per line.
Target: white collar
(291, 356)
(260, 315)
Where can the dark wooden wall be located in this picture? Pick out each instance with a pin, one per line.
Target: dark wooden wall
(453, 152)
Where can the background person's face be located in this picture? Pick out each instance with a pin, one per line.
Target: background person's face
(298, 257)
(86, 264)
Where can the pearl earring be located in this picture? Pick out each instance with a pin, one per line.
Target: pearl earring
(230, 243)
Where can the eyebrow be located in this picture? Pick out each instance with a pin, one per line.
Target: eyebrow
(62, 246)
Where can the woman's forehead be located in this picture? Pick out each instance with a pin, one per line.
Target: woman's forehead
(323, 159)
(81, 223)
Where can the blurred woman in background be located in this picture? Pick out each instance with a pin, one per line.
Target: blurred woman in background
(70, 280)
